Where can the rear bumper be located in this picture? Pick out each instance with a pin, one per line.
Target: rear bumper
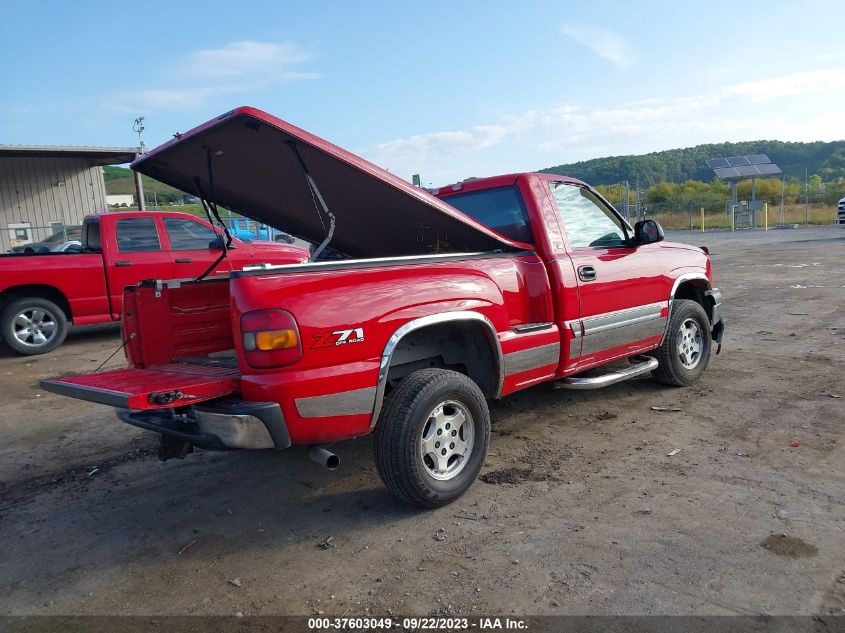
(223, 425)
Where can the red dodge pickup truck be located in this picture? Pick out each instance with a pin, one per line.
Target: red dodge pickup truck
(432, 304)
(40, 294)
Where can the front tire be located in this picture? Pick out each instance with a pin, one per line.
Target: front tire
(432, 436)
(33, 325)
(685, 351)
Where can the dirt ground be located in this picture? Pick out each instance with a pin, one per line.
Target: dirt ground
(580, 507)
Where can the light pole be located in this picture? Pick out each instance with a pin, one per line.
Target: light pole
(138, 128)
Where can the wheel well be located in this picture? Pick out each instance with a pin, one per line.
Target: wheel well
(461, 346)
(695, 290)
(37, 290)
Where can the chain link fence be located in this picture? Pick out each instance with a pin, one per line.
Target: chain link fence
(698, 215)
(22, 237)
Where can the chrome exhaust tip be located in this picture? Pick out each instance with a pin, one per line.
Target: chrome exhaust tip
(324, 458)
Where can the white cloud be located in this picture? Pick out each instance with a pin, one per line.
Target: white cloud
(206, 74)
(246, 59)
(438, 143)
(603, 42)
(775, 107)
(158, 100)
(814, 81)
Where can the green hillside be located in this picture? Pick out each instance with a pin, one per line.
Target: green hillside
(825, 160)
(119, 180)
(679, 165)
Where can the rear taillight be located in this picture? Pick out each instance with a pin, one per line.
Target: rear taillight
(270, 338)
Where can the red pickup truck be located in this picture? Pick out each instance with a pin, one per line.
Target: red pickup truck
(433, 304)
(41, 293)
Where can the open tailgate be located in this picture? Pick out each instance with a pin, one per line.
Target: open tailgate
(156, 387)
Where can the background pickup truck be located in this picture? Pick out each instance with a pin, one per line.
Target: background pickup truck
(441, 303)
(41, 293)
(246, 229)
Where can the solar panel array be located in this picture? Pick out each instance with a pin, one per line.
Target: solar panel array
(739, 167)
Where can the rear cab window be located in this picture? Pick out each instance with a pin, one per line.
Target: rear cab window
(137, 235)
(499, 208)
(91, 236)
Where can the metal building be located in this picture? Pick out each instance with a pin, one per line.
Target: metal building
(43, 188)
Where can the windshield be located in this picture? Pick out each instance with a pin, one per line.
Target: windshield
(500, 209)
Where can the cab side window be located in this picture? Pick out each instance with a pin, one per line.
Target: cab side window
(137, 235)
(188, 235)
(586, 220)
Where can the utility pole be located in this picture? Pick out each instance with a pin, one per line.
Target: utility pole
(637, 205)
(782, 189)
(627, 200)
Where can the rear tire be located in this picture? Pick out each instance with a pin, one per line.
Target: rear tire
(685, 351)
(432, 436)
(33, 325)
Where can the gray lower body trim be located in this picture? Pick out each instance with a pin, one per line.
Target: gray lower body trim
(353, 402)
(622, 327)
(532, 358)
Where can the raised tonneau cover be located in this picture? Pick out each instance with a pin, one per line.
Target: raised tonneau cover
(256, 171)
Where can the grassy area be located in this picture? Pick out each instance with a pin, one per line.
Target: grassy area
(793, 214)
(127, 185)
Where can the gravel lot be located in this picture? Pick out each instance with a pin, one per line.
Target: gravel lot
(580, 508)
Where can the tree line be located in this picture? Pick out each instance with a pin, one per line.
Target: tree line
(694, 194)
(825, 159)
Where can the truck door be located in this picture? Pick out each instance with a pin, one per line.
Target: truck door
(136, 253)
(190, 252)
(622, 310)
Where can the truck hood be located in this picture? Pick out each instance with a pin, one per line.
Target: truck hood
(256, 173)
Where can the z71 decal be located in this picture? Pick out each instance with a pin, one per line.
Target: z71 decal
(338, 337)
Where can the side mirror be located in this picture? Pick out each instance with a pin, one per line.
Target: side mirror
(648, 232)
(217, 244)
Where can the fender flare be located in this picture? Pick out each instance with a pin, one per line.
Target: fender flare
(434, 319)
(680, 280)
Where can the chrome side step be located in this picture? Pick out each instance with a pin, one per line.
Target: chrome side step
(645, 364)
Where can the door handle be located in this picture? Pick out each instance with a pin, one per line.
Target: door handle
(587, 273)
(183, 261)
(122, 264)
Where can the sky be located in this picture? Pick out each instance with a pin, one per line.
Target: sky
(448, 90)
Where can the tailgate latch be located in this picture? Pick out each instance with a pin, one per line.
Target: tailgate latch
(166, 397)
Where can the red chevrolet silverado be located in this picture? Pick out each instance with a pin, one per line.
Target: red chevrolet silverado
(416, 308)
(40, 294)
